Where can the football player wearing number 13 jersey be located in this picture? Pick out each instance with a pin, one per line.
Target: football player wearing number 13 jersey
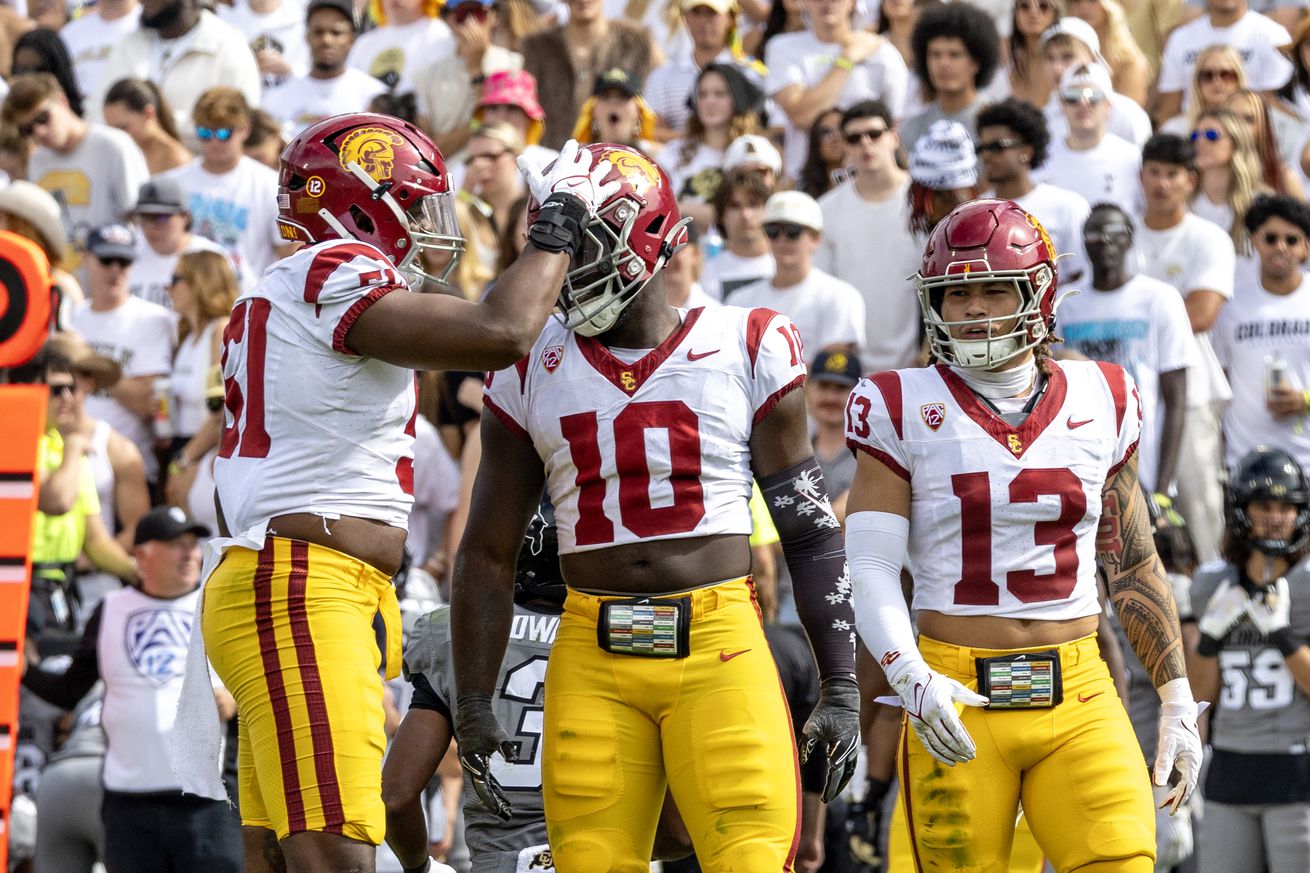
(314, 476)
(1004, 478)
(646, 424)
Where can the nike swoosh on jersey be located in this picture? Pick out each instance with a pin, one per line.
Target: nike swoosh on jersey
(1084, 698)
(696, 356)
(725, 657)
(1074, 425)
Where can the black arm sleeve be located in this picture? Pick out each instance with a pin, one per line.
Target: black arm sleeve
(64, 689)
(816, 558)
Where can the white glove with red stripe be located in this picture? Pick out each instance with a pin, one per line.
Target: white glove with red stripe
(929, 699)
(1179, 747)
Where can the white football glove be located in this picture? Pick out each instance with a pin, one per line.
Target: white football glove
(929, 699)
(1271, 609)
(1179, 746)
(1226, 607)
(572, 173)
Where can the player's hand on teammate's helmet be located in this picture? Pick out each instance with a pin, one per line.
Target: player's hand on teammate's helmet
(1226, 607)
(480, 736)
(572, 173)
(929, 699)
(1179, 748)
(1271, 608)
(835, 723)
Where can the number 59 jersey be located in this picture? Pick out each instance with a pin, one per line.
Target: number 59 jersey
(1003, 520)
(309, 425)
(656, 446)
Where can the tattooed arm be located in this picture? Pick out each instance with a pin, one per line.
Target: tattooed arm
(1137, 581)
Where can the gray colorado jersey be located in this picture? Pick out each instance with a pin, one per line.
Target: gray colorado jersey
(517, 845)
(1260, 709)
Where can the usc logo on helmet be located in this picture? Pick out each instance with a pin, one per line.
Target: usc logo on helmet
(639, 172)
(1041, 231)
(374, 149)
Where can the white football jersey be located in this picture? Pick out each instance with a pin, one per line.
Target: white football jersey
(658, 448)
(1002, 519)
(310, 426)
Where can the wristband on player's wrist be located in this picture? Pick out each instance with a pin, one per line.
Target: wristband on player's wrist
(559, 224)
(1285, 641)
(1208, 646)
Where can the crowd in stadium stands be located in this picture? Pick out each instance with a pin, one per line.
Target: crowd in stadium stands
(1163, 144)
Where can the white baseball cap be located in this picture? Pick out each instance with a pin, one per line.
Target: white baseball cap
(1079, 30)
(794, 207)
(1081, 76)
(752, 150)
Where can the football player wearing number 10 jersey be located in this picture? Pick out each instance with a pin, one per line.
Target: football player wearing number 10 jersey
(646, 424)
(314, 475)
(1001, 478)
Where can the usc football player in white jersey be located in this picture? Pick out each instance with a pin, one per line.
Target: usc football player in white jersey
(314, 475)
(1000, 478)
(645, 424)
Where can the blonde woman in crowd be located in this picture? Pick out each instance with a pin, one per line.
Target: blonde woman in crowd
(492, 176)
(616, 113)
(1029, 80)
(202, 293)
(1218, 75)
(1275, 172)
(136, 107)
(1229, 171)
(1129, 69)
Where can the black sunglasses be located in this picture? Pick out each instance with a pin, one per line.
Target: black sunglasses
(109, 262)
(791, 231)
(1271, 238)
(62, 389)
(999, 145)
(41, 119)
(854, 137)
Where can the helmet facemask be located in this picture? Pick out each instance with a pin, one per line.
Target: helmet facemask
(1029, 328)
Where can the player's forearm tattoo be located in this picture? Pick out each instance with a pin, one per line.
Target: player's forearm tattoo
(1139, 587)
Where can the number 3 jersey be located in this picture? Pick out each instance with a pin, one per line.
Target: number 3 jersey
(1003, 520)
(310, 426)
(650, 444)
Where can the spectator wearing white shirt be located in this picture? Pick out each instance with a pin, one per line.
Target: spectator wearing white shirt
(831, 64)
(185, 50)
(92, 170)
(711, 25)
(232, 198)
(1196, 257)
(92, 37)
(739, 217)
(956, 53)
(1072, 41)
(1140, 324)
(828, 312)
(164, 224)
(135, 334)
(867, 220)
(1256, 38)
(1012, 145)
(1089, 160)
(331, 87)
(275, 30)
(410, 36)
(1265, 328)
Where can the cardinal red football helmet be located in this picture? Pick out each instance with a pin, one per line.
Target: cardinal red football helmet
(371, 178)
(989, 241)
(634, 233)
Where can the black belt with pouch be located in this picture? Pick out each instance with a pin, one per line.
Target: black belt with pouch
(1028, 681)
(646, 627)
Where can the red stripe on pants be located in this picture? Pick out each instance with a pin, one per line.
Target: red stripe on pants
(277, 691)
(320, 731)
(905, 793)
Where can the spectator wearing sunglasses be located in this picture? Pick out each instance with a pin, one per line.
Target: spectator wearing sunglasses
(867, 220)
(94, 171)
(331, 86)
(1218, 75)
(1228, 171)
(828, 312)
(134, 333)
(1262, 329)
(232, 198)
(1090, 160)
(163, 227)
(1070, 42)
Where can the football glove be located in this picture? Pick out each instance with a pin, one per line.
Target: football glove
(863, 823)
(1179, 745)
(572, 173)
(929, 699)
(1271, 608)
(836, 723)
(480, 735)
(1225, 609)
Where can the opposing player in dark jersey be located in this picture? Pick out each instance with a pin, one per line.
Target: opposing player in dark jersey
(1252, 660)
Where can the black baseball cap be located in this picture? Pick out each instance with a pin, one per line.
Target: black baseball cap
(112, 241)
(165, 523)
(616, 79)
(160, 197)
(345, 7)
(836, 366)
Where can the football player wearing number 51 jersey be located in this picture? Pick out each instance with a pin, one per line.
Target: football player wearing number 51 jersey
(315, 470)
(646, 424)
(1001, 479)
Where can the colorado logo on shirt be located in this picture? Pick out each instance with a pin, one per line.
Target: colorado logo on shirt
(156, 642)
